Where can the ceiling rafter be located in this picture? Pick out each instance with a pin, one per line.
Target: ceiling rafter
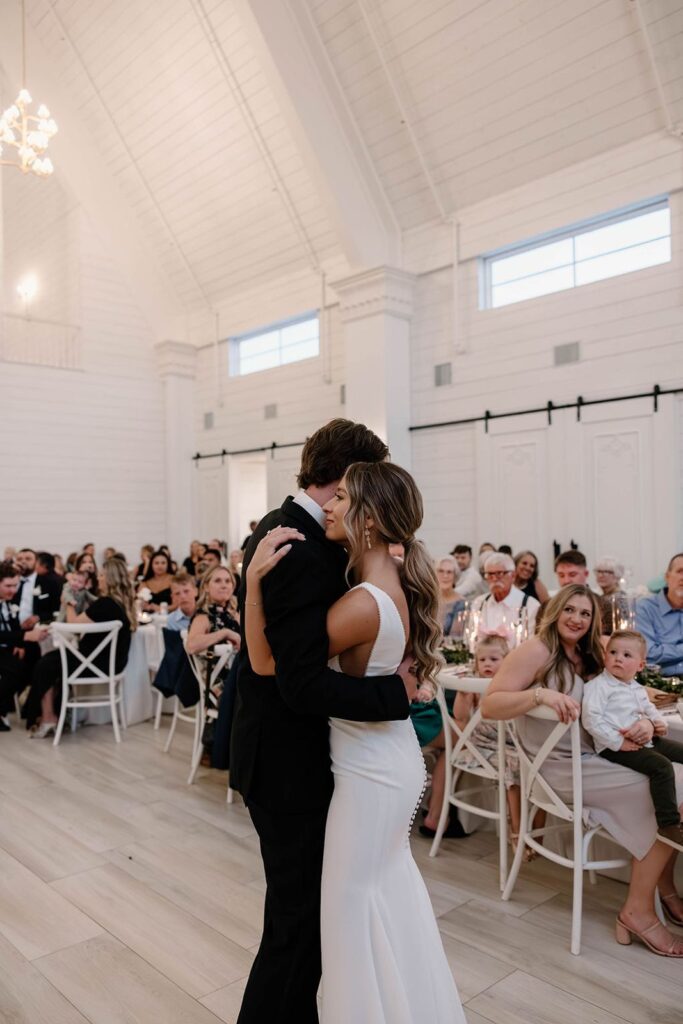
(403, 108)
(252, 124)
(133, 161)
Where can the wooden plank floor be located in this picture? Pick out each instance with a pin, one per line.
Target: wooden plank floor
(127, 896)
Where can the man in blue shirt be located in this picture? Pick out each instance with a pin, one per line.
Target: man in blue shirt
(184, 597)
(660, 619)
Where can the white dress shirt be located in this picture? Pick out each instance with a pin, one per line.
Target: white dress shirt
(470, 584)
(312, 507)
(609, 705)
(501, 616)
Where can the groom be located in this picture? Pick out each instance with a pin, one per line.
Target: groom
(280, 757)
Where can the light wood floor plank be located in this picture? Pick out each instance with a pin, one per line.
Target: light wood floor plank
(611, 982)
(192, 886)
(194, 956)
(183, 916)
(40, 846)
(111, 985)
(26, 997)
(35, 918)
(522, 999)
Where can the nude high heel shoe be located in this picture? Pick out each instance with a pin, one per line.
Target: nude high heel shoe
(625, 935)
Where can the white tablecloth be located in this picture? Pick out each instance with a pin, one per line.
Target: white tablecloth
(137, 688)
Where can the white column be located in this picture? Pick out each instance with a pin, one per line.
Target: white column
(376, 310)
(177, 365)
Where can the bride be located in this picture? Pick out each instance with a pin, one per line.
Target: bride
(382, 957)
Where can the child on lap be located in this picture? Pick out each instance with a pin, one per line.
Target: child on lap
(612, 703)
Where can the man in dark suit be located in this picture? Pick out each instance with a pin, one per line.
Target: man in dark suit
(48, 590)
(280, 756)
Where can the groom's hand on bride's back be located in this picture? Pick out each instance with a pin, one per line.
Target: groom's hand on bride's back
(406, 670)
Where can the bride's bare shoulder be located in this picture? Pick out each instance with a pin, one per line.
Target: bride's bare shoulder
(352, 620)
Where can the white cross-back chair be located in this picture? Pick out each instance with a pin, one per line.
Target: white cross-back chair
(463, 758)
(80, 671)
(195, 714)
(154, 662)
(537, 794)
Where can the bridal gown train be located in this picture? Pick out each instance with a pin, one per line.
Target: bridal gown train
(383, 960)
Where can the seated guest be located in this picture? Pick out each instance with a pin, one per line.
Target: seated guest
(146, 552)
(26, 560)
(117, 603)
(48, 589)
(9, 554)
(571, 567)
(609, 573)
(211, 559)
(235, 564)
(660, 619)
(450, 601)
(611, 704)
(184, 594)
(81, 588)
(157, 581)
(71, 561)
(502, 609)
(252, 526)
(526, 576)
(167, 551)
(90, 549)
(60, 567)
(552, 669)
(13, 676)
(506, 549)
(216, 620)
(108, 553)
(196, 554)
(470, 583)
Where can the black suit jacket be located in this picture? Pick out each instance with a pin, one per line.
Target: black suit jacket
(280, 756)
(47, 601)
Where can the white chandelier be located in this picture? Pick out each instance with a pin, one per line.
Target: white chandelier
(28, 134)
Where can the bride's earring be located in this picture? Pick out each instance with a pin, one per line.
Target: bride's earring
(367, 538)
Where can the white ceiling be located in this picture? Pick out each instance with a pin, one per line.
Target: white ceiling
(452, 101)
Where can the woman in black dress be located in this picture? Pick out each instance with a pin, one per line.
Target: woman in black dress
(116, 604)
(158, 581)
(526, 576)
(216, 621)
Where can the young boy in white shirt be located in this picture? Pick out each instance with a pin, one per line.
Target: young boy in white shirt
(612, 703)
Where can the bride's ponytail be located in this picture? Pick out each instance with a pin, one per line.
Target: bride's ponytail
(422, 592)
(389, 496)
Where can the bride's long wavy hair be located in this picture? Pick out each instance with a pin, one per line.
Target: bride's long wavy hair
(389, 495)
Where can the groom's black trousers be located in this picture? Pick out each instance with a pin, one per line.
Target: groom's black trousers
(281, 988)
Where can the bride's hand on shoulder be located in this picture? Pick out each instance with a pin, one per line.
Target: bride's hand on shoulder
(271, 549)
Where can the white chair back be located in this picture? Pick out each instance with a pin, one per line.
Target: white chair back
(463, 758)
(66, 636)
(538, 794)
(80, 670)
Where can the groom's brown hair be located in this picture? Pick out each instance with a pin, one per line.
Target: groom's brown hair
(329, 452)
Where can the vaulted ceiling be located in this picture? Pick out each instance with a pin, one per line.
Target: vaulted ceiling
(228, 171)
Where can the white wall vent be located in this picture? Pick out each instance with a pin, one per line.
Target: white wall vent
(443, 374)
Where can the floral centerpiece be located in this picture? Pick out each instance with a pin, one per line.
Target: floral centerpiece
(652, 676)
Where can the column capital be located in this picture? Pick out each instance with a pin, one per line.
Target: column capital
(176, 358)
(382, 290)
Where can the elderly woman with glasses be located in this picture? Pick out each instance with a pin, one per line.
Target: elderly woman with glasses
(505, 606)
(613, 600)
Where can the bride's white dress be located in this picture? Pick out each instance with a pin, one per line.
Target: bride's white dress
(383, 960)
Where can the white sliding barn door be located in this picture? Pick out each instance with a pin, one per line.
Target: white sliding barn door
(610, 482)
(514, 474)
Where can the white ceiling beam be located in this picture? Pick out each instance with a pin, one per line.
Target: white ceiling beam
(298, 67)
(81, 168)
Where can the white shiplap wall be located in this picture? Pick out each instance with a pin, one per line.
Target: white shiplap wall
(630, 328)
(82, 453)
